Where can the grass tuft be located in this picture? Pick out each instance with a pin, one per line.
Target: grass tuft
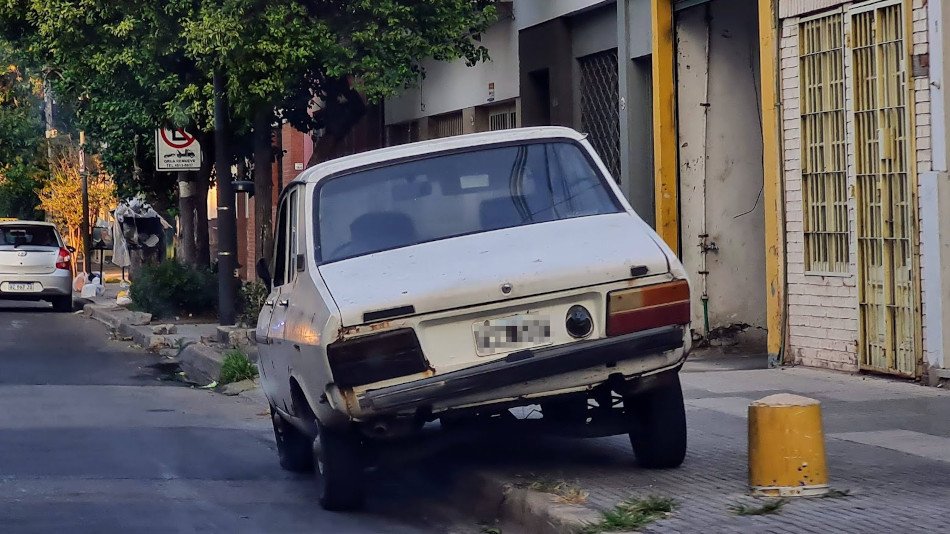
(633, 514)
(236, 367)
(566, 492)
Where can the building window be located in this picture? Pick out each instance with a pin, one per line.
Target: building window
(600, 106)
(824, 145)
(446, 125)
(502, 118)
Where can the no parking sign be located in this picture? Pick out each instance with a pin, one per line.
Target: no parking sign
(176, 150)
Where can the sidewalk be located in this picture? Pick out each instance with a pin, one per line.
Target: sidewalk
(198, 348)
(888, 446)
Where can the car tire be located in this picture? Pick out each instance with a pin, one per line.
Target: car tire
(338, 456)
(63, 304)
(294, 448)
(658, 426)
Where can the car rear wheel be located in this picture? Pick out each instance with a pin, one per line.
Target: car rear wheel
(338, 455)
(658, 426)
(294, 448)
(63, 304)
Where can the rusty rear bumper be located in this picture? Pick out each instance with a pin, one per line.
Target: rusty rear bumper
(523, 366)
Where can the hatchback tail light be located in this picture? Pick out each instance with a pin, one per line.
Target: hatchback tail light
(63, 259)
(643, 308)
(374, 358)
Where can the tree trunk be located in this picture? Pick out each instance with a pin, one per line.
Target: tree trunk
(187, 250)
(263, 191)
(202, 242)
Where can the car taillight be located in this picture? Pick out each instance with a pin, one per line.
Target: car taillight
(63, 260)
(643, 308)
(374, 358)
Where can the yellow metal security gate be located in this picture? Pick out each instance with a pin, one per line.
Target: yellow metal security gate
(889, 319)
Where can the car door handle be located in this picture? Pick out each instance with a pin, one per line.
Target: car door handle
(284, 303)
(269, 303)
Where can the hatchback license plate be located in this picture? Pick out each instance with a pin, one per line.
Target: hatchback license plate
(23, 287)
(511, 333)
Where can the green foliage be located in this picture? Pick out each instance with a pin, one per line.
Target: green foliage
(23, 168)
(290, 53)
(633, 515)
(236, 367)
(170, 288)
(129, 66)
(253, 295)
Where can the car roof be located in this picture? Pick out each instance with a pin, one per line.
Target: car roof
(22, 223)
(433, 146)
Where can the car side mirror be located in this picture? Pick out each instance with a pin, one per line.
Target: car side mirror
(263, 272)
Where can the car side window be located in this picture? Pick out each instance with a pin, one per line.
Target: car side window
(292, 235)
(280, 247)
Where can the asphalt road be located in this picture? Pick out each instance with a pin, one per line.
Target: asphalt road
(92, 440)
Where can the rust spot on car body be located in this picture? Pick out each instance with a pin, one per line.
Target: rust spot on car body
(353, 331)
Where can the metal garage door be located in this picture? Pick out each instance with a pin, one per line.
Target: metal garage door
(889, 289)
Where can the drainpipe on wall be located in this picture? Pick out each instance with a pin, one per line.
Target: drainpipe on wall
(704, 244)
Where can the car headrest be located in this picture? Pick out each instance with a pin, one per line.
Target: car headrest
(387, 227)
(501, 212)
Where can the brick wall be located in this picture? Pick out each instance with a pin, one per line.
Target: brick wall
(823, 310)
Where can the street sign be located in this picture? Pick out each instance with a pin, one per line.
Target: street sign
(176, 150)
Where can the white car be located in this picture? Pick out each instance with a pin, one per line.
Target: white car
(35, 264)
(457, 279)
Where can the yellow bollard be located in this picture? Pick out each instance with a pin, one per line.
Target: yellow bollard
(787, 447)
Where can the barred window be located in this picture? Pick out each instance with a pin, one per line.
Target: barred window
(824, 145)
(447, 125)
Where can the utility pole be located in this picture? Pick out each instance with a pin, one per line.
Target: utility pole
(84, 222)
(227, 225)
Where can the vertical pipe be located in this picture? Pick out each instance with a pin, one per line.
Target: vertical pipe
(227, 225)
(704, 232)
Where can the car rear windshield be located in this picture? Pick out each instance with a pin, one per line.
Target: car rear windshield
(37, 236)
(455, 194)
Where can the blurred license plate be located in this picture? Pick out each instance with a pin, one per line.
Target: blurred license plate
(507, 334)
(20, 286)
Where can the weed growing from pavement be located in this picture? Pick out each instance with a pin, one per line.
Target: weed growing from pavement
(565, 491)
(633, 514)
(771, 506)
(236, 367)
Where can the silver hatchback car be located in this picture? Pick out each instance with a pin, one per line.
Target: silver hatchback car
(35, 264)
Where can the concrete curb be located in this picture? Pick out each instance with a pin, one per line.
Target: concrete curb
(201, 363)
(532, 512)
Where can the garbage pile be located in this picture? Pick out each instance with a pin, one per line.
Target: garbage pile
(137, 227)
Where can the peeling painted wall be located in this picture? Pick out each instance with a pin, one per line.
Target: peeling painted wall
(721, 159)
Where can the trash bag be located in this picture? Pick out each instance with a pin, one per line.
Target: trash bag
(91, 290)
(79, 281)
(122, 299)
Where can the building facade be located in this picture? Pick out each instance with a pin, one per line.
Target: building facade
(861, 211)
(793, 153)
(590, 65)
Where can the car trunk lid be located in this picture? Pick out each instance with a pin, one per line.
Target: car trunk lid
(27, 259)
(471, 270)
